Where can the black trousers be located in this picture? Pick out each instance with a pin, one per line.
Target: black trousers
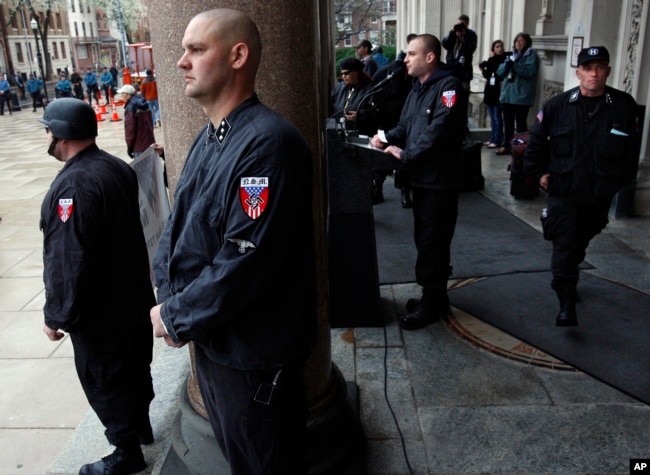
(36, 99)
(571, 223)
(513, 115)
(261, 431)
(6, 97)
(435, 213)
(114, 371)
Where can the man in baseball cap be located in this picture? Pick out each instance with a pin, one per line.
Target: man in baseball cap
(582, 150)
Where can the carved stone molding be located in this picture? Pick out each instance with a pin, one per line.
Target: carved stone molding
(636, 11)
(551, 88)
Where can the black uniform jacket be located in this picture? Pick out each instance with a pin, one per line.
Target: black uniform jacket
(96, 269)
(431, 130)
(235, 265)
(601, 151)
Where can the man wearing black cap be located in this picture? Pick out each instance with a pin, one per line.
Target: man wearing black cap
(583, 148)
(364, 52)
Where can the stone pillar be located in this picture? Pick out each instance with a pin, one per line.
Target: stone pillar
(293, 80)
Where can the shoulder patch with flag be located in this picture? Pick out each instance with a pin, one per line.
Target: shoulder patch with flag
(65, 209)
(449, 98)
(254, 195)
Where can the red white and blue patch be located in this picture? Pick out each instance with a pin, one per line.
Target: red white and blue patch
(449, 98)
(254, 195)
(65, 209)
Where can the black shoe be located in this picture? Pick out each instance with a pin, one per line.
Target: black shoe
(421, 317)
(406, 199)
(567, 317)
(412, 304)
(120, 462)
(377, 196)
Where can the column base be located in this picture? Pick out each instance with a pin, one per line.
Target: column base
(335, 442)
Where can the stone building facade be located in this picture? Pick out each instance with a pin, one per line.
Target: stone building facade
(559, 28)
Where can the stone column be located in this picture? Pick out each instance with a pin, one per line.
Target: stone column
(293, 80)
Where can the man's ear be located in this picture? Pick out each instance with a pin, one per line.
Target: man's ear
(239, 55)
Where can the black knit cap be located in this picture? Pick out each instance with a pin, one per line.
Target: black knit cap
(351, 64)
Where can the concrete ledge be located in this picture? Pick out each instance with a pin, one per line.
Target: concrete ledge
(88, 444)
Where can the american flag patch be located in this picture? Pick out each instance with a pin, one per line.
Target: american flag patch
(254, 195)
(65, 209)
(449, 98)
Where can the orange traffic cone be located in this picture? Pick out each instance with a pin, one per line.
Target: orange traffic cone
(114, 117)
(102, 108)
(98, 115)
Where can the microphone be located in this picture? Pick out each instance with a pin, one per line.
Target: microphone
(383, 81)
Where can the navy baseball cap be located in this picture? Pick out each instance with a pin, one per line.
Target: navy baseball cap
(593, 53)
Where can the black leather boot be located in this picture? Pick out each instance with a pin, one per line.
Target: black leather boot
(377, 192)
(430, 308)
(123, 461)
(567, 317)
(406, 198)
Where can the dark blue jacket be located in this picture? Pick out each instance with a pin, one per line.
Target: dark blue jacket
(235, 264)
(431, 130)
(96, 266)
(596, 155)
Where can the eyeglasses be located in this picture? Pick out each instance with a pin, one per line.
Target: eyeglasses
(345, 73)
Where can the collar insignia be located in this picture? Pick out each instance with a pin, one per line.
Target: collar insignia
(65, 209)
(218, 134)
(574, 96)
(254, 195)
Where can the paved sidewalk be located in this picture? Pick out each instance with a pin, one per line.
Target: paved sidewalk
(460, 408)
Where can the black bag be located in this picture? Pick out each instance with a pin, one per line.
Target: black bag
(472, 173)
(522, 187)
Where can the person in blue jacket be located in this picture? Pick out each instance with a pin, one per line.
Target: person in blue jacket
(518, 89)
(92, 88)
(107, 84)
(34, 86)
(5, 95)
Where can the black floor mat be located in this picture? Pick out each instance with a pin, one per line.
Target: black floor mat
(488, 240)
(610, 344)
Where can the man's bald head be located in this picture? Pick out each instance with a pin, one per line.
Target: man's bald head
(230, 27)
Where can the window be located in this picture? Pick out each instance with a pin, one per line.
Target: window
(59, 25)
(82, 52)
(63, 55)
(76, 29)
(81, 7)
(55, 51)
(19, 53)
(83, 28)
(92, 30)
(72, 5)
